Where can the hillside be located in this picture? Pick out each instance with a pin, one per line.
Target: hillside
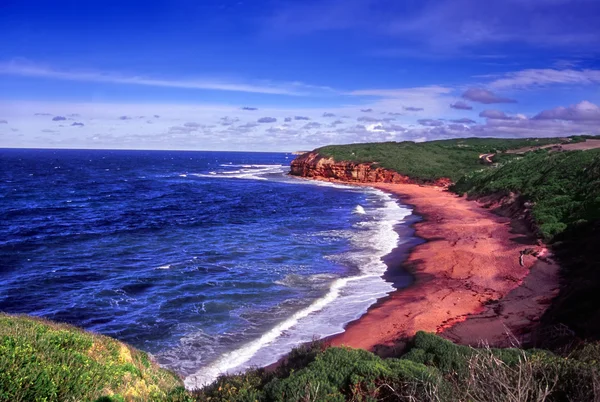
(563, 188)
(44, 361)
(429, 161)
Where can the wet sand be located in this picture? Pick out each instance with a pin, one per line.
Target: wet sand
(468, 284)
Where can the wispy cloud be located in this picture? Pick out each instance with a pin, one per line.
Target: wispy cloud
(543, 77)
(31, 70)
(403, 92)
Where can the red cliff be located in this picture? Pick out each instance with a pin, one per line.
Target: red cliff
(316, 166)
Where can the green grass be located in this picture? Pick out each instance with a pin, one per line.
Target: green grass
(45, 361)
(429, 161)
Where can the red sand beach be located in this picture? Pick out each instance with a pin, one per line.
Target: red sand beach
(469, 285)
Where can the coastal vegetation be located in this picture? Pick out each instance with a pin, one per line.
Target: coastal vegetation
(45, 361)
(432, 160)
(433, 369)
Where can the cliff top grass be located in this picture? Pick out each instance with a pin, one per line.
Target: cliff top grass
(45, 361)
(432, 160)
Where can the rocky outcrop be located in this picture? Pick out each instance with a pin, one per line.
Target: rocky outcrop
(313, 165)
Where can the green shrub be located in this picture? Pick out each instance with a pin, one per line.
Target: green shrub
(339, 374)
(245, 387)
(432, 350)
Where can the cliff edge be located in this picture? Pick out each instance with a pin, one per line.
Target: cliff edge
(316, 166)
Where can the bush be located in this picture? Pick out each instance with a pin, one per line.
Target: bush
(339, 374)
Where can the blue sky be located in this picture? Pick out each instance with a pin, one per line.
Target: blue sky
(287, 75)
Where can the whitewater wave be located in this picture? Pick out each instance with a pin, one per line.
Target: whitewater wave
(345, 300)
(316, 281)
(359, 209)
(252, 172)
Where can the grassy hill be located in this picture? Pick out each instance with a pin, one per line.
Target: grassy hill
(428, 161)
(45, 361)
(563, 187)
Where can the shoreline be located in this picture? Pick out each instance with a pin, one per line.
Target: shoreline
(468, 284)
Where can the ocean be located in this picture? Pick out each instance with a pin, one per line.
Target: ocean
(213, 262)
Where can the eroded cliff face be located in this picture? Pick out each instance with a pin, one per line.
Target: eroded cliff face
(313, 165)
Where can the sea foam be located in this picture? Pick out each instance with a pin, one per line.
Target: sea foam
(252, 172)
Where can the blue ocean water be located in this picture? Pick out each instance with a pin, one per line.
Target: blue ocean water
(211, 261)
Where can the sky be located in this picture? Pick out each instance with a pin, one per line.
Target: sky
(289, 75)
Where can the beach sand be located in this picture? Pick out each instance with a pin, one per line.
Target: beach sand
(469, 285)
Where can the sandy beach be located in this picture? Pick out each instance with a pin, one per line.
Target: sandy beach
(469, 284)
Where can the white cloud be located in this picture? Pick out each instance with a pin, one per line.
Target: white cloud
(31, 70)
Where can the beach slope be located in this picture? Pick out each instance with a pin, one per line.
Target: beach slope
(470, 283)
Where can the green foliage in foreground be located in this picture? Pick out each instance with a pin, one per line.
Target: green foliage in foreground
(434, 369)
(45, 361)
(564, 187)
(428, 161)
